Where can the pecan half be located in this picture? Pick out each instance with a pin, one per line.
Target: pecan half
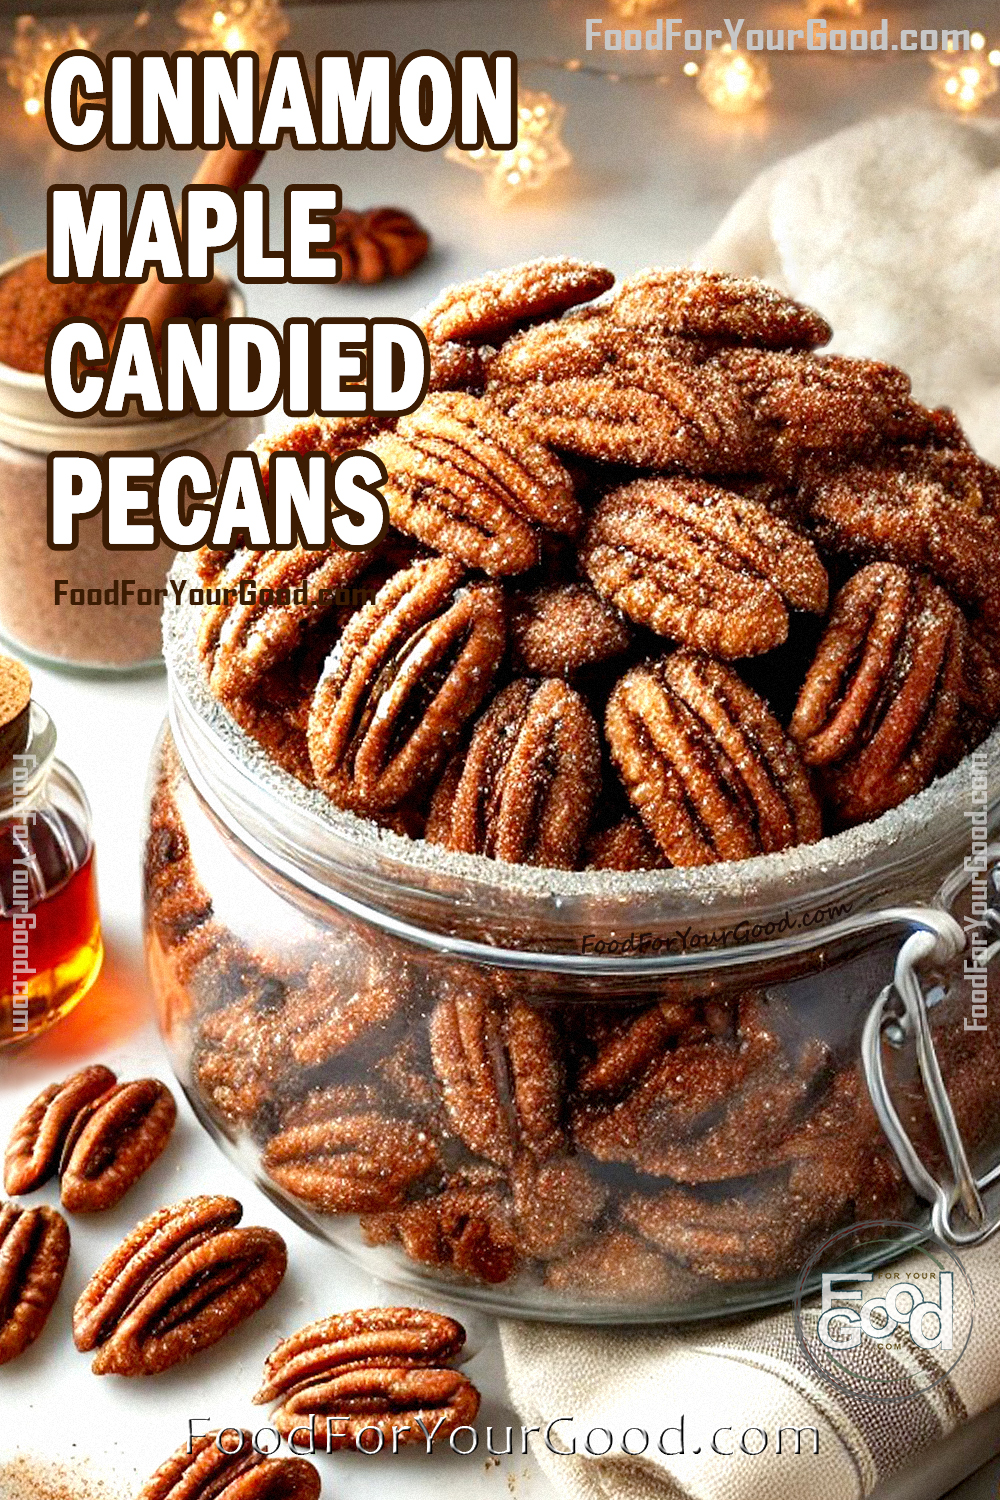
(753, 1237)
(475, 484)
(457, 367)
(528, 782)
(488, 309)
(621, 1267)
(559, 630)
(881, 700)
(409, 670)
(113, 1141)
(624, 846)
(634, 1045)
(343, 1002)
(182, 1280)
(556, 1204)
(377, 243)
(710, 770)
(37, 1140)
(340, 1162)
(467, 1228)
(208, 1472)
(34, 1254)
(702, 565)
(371, 1338)
(716, 305)
(389, 1401)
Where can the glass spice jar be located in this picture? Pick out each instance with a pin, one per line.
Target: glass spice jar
(50, 932)
(108, 619)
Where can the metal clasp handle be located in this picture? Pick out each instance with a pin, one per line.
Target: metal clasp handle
(902, 1010)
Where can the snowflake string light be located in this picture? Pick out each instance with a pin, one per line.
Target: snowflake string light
(538, 154)
(34, 51)
(234, 26)
(965, 79)
(733, 81)
(630, 8)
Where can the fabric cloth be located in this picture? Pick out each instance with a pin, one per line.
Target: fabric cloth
(890, 230)
(726, 1379)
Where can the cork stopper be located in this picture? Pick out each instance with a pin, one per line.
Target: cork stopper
(15, 708)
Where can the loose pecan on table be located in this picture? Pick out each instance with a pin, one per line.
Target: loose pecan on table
(37, 1140)
(204, 1471)
(474, 483)
(710, 770)
(343, 1162)
(526, 787)
(378, 243)
(490, 308)
(409, 670)
(34, 1253)
(702, 565)
(113, 1141)
(182, 1280)
(881, 700)
(381, 1369)
(716, 305)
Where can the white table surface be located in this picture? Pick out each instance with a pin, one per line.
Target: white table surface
(654, 171)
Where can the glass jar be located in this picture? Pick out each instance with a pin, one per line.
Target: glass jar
(108, 617)
(584, 1095)
(50, 932)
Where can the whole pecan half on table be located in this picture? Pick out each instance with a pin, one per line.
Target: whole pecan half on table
(208, 1472)
(686, 733)
(408, 672)
(182, 1280)
(113, 1141)
(34, 1253)
(37, 1140)
(377, 243)
(881, 701)
(380, 1369)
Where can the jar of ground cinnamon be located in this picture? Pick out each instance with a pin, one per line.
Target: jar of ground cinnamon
(91, 608)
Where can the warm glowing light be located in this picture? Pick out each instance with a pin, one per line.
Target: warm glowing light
(34, 50)
(235, 26)
(733, 82)
(836, 7)
(965, 79)
(530, 164)
(692, 69)
(993, 58)
(629, 8)
(977, 41)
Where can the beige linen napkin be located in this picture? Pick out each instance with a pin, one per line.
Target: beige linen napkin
(890, 228)
(728, 1378)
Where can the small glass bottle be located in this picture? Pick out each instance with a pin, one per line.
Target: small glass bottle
(50, 932)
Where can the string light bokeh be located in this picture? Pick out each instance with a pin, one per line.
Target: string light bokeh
(35, 48)
(234, 26)
(965, 79)
(538, 154)
(732, 81)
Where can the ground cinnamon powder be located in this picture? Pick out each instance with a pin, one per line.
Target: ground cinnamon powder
(28, 1477)
(31, 306)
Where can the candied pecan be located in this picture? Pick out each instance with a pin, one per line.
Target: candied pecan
(202, 1470)
(407, 673)
(560, 629)
(881, 699)
(37, 1140)
(474, 483)
(34, 1253)
(620, 1267)
(389, 1400)
(343, 1002)
(556, 1204)
(754, 1237)
(242, 1061)
(488, 309)
(528, 782)
(979, 691)
(624, 846)
(113, 1141)
(937, 510)
(582, 347)
(457, 367)
(182, 1280)
(702, 565)
(630, 1048)
(369, 1338)
(377, 243)
(466, 1229)
(338, 1161)
(716, 305)
(710, 770)
(333, 436)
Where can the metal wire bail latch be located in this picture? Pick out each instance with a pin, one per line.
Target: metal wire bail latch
(901, 1012)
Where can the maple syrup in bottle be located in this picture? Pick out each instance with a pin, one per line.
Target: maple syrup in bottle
(50, 931)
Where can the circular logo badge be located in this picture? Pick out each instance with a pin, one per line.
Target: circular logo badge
(883, 1333)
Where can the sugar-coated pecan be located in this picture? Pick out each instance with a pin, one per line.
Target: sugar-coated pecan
(621, 1267)
(344, 1000)
(37, 1140)
(710, 770)
(241, 1060)
(402, 1404)
(702, 565)
(488, 309)
(624, 846)
(753, 1237)
(113, 1141)
(938, 510)
(409, 670)
(474, 483)
(582, 347)
(182, 1280)
(212, 1467)
(34, 1253)
(634, 1044)
(466, 1228)
(372, 1338)
(528, 781)
(457, 367)
(340, 1162)
(716, 305)
(556, 1204)
(333, 436)
(378, 243)
(558, 630)
(881, 700)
